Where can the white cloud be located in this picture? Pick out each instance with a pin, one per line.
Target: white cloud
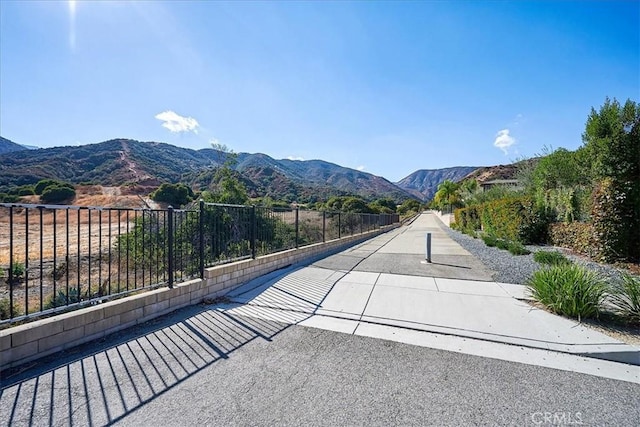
(177, 123)
(294, 158)
(360, 168)
(504, 140)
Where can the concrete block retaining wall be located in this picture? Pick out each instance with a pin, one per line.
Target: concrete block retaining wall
(30, 341)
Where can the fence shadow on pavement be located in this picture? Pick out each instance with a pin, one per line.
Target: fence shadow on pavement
(99, 383)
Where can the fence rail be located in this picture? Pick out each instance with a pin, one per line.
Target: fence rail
(53, 257)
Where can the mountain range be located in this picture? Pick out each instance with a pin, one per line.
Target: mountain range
(120, 162)
(7, 146)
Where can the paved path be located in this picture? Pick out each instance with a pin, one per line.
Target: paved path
(384, 289)
(201, 366)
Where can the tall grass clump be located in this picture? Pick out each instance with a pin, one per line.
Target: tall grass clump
(550, 258)
(625, 298)
(489, 240)
(517, 248)
(5, 309)
(60, 299)
(569, 289)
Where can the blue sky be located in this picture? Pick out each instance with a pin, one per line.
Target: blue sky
(387, 87)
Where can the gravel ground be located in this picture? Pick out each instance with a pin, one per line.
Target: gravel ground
(518, 269)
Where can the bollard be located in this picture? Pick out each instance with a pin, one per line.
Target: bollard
(428, 247)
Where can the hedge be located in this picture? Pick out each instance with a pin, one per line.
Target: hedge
(468, 220)
(577, 236)
(614, 222)
(516, 219)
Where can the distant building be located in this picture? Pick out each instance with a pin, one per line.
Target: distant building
(514, 183)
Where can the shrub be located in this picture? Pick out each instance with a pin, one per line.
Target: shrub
(5, 312)
(46, 183)
(577, 236)
(467, 220)
(173, 194)
(571, 290)
(550, 258)
(9, 198)
(625, 297)
(612, 221)
(17, 273)
(489, 240)
(517, 248)
(57, 194)
(515, 218)
(60, 299)
(502, 244)
(25, 190)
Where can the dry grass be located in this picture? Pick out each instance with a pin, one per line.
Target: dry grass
(52, 231)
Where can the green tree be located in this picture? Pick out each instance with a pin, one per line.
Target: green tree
(173, 194)
(448, 194)
(355, 204)
(45, 183)
(385, 205)
(468, 190)
(409, 205)
(55, 194)
(612, 150)
(560, 168)
(334, 203)
(612, 141)
(228, 188)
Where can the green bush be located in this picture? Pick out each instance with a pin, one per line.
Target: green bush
(517, 248)
(57, 194)
(26, 190)
(502, 244)
(550, 258)
(577, 236)
(515, 219)
(5, 309)
(612, 219)
(467, 220)
(489, 240)
(17, 273)
(625, 297)
(60, 298)
(173, 194)
(46, 183)
(9, 198)
(571, 290)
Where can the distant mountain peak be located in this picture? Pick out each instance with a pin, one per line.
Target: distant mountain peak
(8, 146)
(424, 183)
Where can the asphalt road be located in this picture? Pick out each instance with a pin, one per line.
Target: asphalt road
(199, 366)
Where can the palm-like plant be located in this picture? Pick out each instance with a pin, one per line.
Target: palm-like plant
(448, 194)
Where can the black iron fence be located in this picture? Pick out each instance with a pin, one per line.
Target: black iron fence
(52, 257)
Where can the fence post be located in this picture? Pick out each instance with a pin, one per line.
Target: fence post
(339, 227)
(297, 226)
(170, 245)
(201, 230)
(11, 263)
(254, 231)
(324, 226)
(361, 221)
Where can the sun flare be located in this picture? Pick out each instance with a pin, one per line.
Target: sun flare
(72, 24)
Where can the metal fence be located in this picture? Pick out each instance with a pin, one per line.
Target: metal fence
(52, 257)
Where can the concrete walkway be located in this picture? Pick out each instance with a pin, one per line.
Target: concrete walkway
(383, 288)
